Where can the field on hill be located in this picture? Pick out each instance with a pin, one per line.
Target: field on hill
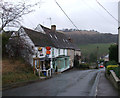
(87, 49)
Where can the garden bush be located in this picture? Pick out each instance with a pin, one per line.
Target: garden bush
(83, 66)
(111, 63)
(117, 71)
(111, 67)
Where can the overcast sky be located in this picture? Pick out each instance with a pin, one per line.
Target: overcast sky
(86, 15)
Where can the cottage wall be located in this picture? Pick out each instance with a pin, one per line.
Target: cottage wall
(56, 52)
(40, 54)
(78, 53)
(61, 52)
(53, 52)
(66, 54)
(71, 54)
(27, 46)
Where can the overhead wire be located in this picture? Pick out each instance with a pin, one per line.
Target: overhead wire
(27, 18)
(107, 11)
(74, 23)
(97, 12)
(66, 15)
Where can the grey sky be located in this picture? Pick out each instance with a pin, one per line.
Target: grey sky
(119, 14)
(86, 14)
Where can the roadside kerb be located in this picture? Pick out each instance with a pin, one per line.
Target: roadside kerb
(94, 88)
(114, 79)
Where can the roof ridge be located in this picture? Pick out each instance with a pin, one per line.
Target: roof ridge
(31, 30)
(44, 27)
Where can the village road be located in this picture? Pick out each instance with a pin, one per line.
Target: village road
(70, 83)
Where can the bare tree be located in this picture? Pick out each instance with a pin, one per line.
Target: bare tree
(12, 13)
(19, 46)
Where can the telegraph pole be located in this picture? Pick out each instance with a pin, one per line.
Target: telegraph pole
(97, 52)
(119, 32)
(97, 56)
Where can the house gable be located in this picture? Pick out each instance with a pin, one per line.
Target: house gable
(39, 29)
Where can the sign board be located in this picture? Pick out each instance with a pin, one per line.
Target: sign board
(48, 48)
(40, 49)
(48, 52)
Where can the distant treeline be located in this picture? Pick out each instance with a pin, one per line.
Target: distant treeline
(96, 38)
(90, 38)
(70, 30)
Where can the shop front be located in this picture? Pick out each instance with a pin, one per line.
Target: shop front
(42, 66)
(62, 63)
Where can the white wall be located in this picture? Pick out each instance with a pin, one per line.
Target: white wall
(26, 38)
(61, 51)
(66, 52)
(56, 52)
(77, 52)
(28, 44)
(40, 52)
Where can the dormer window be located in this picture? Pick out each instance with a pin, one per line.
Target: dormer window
(55, 36)
(50, 35)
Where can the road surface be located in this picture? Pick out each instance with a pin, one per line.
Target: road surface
(71, 83)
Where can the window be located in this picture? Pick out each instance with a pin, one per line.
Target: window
(59, 51)
(55, 36)
(53, 52)
(37, 65)
(63, 51)
(50, 35)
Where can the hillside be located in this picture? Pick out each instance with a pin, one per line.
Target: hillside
(16, 71)
(90, 37)
(87, 49)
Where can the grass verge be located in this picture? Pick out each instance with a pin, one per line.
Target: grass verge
(16, 71)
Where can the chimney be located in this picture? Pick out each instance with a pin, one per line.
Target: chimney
(70, 39)
(53, 28)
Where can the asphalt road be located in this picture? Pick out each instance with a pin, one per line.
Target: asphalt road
(71, 83)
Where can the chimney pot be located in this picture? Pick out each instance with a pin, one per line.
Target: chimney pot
(53, 28)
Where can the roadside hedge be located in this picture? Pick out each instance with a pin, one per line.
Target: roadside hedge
(110, 67)
(115, 68)
(111, 63)
(117, 71)
(83, 66)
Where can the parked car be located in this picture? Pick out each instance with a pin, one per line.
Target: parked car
(101, 66)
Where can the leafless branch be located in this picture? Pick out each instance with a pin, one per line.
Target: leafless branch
(12, 13)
